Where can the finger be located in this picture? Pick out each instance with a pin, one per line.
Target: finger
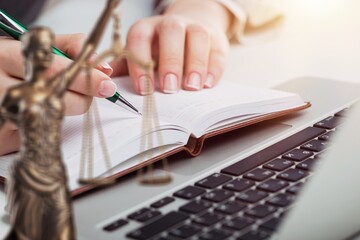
(197, 56)
(71, 45)
(82, 103)
(101, 84)
(12, 64)
(11, 59)
(171, 32)
(217, 62)
(139, 44)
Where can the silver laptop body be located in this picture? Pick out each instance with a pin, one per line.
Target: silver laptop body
(329, 207)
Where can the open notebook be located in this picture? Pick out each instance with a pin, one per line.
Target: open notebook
(185, 118)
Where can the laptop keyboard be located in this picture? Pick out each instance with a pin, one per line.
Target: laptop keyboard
(246, 200)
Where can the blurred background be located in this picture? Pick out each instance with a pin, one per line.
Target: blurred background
(314, 38)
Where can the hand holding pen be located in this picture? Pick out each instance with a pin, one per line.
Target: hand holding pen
(102, 86)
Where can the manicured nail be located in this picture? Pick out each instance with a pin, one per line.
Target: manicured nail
(209, 82)
(107, 88)
(194, 81)
(106, 66)
(170, 83)
(145, 85)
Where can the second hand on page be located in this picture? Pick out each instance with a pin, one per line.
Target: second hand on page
(15, 29)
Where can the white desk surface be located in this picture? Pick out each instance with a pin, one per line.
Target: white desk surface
(316, 38)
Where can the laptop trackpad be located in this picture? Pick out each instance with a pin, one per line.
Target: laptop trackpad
(218, 149)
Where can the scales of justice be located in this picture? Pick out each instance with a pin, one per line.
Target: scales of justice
(39, 201)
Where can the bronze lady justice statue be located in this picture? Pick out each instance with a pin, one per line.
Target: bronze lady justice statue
(38, 197)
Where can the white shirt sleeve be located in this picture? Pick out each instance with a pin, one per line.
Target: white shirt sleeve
(253, 13)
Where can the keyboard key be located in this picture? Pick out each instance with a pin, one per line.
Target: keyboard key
(157, 226)
(239, 184)
(298, 154)
(315, 145)
(307, 165)
(260, 211)
(271, 224)
(272, 185)
(162, 202)
(115, 225)
(329, 122)
(218, 195)
(147, 216)
(254, 235)
(213, 180)
(251, 196)
(293, 175)
(189, 192)
(295, 189)
(184, 231)
(281, 200)
(215, 234)
(259, 174)
(279, 164)
(208, 219)
(196, 206)
(138, 213)
(238, 223)
(273, 151)
(230, 207)
(327, 136)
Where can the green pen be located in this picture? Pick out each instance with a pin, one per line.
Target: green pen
(15, 29)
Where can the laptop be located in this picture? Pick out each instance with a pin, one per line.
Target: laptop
(295, 177)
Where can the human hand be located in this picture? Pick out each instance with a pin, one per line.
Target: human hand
(189, 45)
(12, 72)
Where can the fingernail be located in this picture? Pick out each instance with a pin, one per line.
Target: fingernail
(209, 82)
(194, 81)
(145, 85)
(107, 88)
(106, 66)
(170, 83)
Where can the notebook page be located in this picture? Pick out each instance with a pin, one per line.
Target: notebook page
(179, 115)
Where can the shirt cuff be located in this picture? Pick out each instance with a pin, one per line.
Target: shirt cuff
(253, 13)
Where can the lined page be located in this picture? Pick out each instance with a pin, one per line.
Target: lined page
(179, 114)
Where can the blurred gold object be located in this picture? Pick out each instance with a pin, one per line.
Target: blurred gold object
(38, 198)
(149, 122)
(39, 201)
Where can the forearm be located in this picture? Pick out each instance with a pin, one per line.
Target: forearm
(202, 11)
